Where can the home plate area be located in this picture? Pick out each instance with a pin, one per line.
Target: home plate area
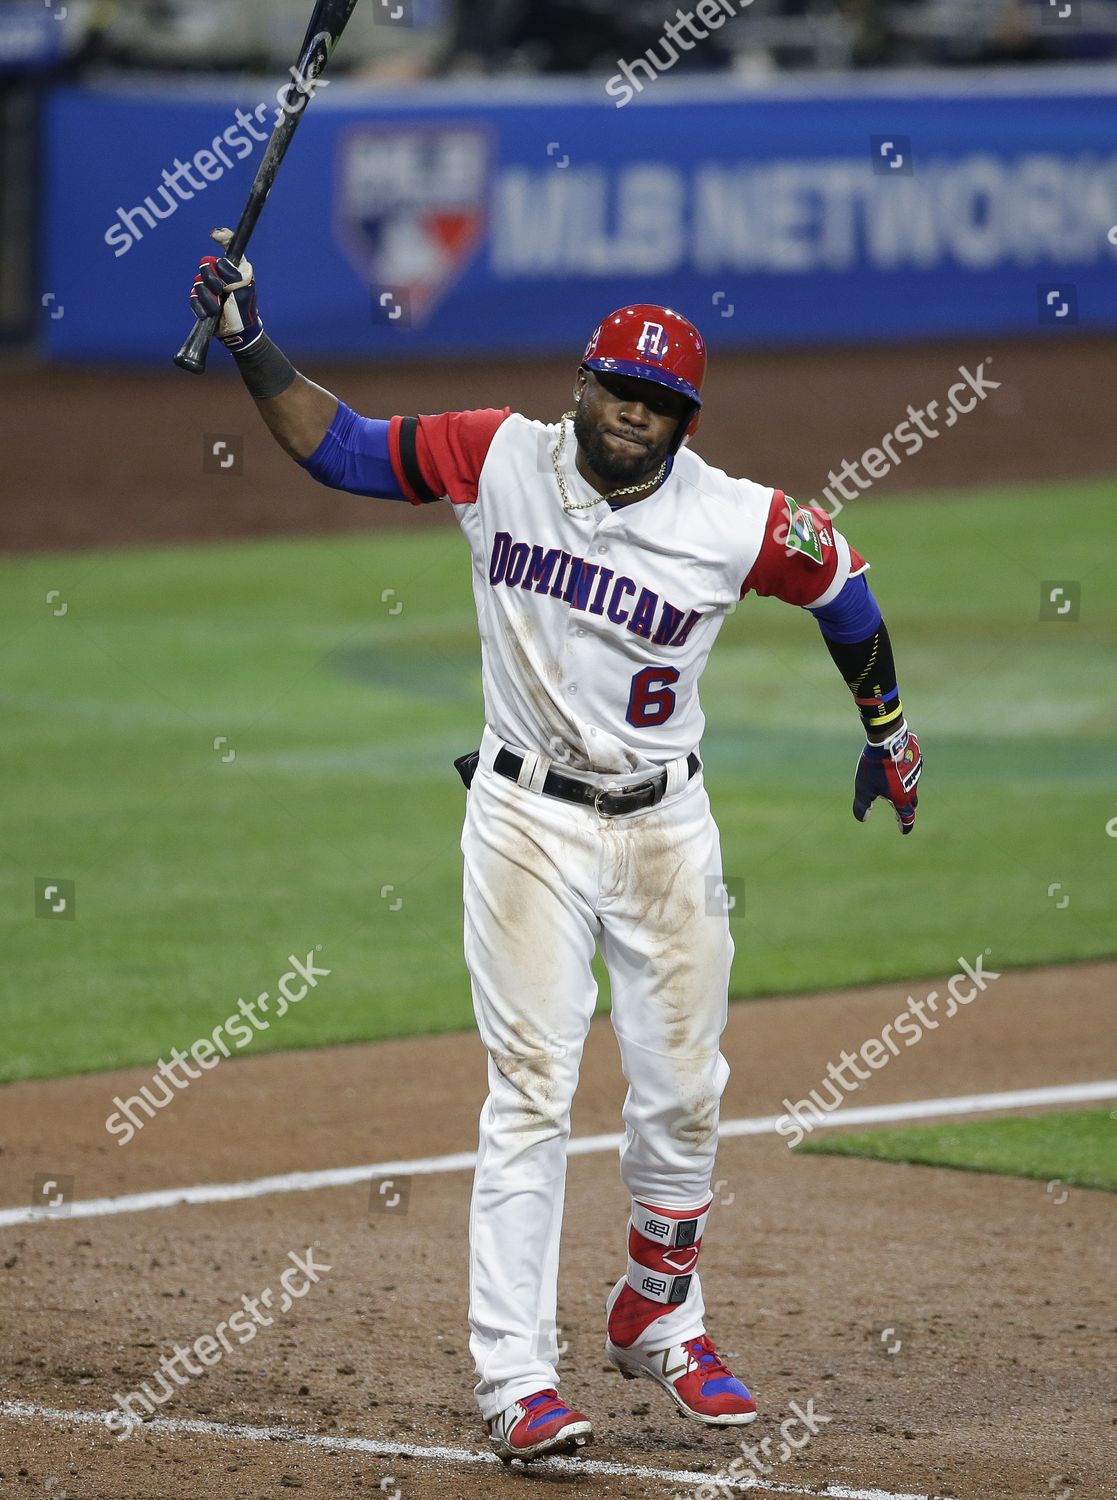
(944, 1331)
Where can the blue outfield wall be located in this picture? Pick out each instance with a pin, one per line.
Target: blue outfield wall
(473, 221)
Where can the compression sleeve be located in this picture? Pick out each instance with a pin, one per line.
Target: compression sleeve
(869, 670)
(355, 455)
(852, 615)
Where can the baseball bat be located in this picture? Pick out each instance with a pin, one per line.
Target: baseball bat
(327, 22)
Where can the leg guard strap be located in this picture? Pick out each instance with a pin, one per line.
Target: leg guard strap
(671, 1228)
(658, 1286)
(663, 1248)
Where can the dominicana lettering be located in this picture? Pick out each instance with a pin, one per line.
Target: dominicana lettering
(590, 587)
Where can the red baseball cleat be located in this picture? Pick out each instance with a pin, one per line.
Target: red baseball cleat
(694, 1376)
(536, 1426)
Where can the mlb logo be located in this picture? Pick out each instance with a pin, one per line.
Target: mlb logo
(410, 212)
(652, 343)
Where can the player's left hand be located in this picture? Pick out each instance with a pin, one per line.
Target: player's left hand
(222, 286)
(889, 770)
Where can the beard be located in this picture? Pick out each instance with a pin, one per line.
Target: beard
(617, 470)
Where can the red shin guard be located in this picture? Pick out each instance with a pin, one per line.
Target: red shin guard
(663, 1248)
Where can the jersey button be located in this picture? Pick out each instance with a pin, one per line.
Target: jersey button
(572, 689)
(581, 632)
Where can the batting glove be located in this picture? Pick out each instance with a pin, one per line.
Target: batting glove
(889, 770)
(223, 287)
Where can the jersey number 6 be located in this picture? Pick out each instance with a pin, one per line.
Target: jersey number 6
(650, 699)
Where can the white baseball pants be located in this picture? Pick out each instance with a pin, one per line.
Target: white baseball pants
(546, 880)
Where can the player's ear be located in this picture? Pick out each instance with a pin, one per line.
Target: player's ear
(580, 385)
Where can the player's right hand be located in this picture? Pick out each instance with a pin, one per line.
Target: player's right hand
(223, 287)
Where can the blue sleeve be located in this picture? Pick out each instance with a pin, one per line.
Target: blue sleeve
(853, 615)
(354, 455)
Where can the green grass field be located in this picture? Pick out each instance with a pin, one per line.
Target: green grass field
(1072, 1149)
(337, 821)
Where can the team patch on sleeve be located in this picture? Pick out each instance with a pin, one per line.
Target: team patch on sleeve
(802, 559)
(802, 533)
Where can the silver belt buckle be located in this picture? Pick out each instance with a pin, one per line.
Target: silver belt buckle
(651, 785)
(603, 791)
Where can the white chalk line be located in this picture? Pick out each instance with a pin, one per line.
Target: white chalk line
(463, 1161)
(25, 1411)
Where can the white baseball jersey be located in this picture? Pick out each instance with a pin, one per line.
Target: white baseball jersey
(596, 623)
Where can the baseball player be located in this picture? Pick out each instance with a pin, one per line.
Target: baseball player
(606, 556)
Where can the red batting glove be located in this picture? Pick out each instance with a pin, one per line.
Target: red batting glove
(890, 770)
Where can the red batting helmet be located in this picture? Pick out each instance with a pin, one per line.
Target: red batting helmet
(651, 343)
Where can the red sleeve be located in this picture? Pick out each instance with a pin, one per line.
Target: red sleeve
(441, 457)
(802, 559)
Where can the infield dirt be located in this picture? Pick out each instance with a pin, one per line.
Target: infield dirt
(997, 1292)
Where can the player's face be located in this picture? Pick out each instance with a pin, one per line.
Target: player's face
(625, 427)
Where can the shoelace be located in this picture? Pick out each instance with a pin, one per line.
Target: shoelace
(706, 1358)
(545, 1404)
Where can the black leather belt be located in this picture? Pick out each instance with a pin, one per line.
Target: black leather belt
(610, 802)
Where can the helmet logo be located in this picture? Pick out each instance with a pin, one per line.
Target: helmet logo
(652, 343)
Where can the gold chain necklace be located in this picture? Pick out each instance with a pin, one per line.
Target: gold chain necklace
(629, 489)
